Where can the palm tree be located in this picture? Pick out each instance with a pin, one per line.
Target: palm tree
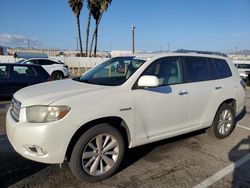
(90, 4)
(76, 6)
(97, 10)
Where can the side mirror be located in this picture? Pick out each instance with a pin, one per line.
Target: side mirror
(148, 81)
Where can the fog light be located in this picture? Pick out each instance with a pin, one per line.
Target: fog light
(37, 150)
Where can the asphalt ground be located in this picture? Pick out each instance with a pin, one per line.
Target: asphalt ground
(191, 160)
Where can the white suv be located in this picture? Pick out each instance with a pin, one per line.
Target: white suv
(91, 120)
(56, 69)
(243, 69)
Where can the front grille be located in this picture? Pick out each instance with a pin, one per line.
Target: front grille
(15, 109)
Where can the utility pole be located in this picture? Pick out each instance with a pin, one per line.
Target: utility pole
(133, 39)
(28, 42)
(236, 50)
(168, 47)
(110, 46)
(77, 43)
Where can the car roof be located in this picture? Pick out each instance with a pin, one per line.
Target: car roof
(19, 64)
(55, 60)
(147, 56)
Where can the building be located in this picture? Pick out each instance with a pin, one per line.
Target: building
(49, 52)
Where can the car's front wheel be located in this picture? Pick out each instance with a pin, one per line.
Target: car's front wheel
(224, 122)
(97, 154)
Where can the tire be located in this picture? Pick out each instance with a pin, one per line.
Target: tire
(107, 162)
(57, 75)
(223, 123)
(248, 80)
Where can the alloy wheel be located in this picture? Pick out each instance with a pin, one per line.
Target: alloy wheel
(225, 122)
(100, 154)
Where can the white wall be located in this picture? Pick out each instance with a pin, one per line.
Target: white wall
(70, 61)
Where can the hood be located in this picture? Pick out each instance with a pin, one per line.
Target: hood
(46, 93)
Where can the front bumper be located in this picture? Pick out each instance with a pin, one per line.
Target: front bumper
(41, 142)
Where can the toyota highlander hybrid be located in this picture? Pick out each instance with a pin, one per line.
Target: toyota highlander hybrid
(90, 121)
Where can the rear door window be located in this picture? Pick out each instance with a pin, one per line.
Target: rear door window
(45, 62)
(197, 69)
(4, 72)
(23, 72)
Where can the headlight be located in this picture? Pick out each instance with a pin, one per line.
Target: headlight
(41, 114)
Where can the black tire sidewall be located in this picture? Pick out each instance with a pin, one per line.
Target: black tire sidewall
(216, 119)
(75, 160)
(55, 75)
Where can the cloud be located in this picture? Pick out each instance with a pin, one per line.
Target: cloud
(237, 35)
(19, 41)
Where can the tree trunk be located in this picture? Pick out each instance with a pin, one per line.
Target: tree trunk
(79, 34)
(94, 34)
(87, 34)
(96, 37)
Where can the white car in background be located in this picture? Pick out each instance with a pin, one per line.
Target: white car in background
(56, 69)
(243, 68)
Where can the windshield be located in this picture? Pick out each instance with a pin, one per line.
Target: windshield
(21, 61)
(112, 72)
(243, 66)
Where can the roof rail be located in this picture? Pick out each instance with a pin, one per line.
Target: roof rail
(201, 52)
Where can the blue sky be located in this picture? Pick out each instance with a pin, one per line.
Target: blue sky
(190, 24)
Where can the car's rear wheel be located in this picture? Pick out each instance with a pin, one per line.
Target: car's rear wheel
(97, 154)
(57, 75)
(224, 122)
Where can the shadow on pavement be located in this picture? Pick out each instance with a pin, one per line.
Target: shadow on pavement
(240, 155)
(241, 115)
(14, 167)
(135, 154)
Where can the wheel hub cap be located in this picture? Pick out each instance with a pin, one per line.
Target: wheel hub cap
(100, 154)
(225, 122)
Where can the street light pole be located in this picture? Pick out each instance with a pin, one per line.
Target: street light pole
(133, 39)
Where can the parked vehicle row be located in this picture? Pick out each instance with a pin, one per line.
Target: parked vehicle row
(16, 76)
(56, 69)
(244, 70)
(122, 103)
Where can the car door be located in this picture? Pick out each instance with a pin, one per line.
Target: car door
(163, 109)
(203, 90)
(5, 81)
(23, 75)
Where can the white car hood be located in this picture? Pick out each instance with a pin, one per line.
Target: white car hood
(49, 92)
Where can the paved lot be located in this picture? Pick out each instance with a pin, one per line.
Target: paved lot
(186, 161)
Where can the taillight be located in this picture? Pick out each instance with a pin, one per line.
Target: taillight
(243, 84)
(49, 79)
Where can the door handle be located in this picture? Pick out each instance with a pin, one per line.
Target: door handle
(218, 87)
(183, 93)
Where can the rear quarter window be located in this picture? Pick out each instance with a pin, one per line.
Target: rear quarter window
(222, 68)
(197, 69)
